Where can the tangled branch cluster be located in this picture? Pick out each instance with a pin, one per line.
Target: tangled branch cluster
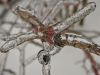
(53, 36)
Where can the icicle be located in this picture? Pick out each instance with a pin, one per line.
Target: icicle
(65, 24)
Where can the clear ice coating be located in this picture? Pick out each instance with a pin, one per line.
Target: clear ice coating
(27, 15)
(43, 57)
(75, 40)
(46, 69)
(55, 10)
(55, 50)
(51, 36)
(19, 39)
(65, 24)
(46, 46)
(9, 37)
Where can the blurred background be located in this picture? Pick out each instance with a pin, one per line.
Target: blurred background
(22, 60)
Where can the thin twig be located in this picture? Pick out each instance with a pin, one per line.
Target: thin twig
(92, 62)
(22, 59)
(3, 64)
(30, 59)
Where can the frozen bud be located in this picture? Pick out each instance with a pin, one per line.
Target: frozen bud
(43, 57)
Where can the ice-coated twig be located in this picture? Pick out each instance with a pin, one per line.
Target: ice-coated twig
(52, 38)
(77, 41)
(10, 37)
(46, 46)
(22, 59)
(93, 63)
(3, 65)
(55, 50)
(50, 14)
(40, 7)
(13, 36)
(79, 15)
(10, 44)
(55, 10)
(83, 4)
(30, 59)
(44, 59)
(72, 2)
(46, 69)
(27, 15)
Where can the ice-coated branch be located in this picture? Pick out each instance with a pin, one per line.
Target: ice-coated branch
(27, 15)
(22, 59)
(3, 64)
(52, 38)
(10, 37)
(13, 36)
(77, 41)
(46, 69)
(10, 44)
(55, 50)
(54, 11)
(79, 15)
(44, 59)
(30, 59)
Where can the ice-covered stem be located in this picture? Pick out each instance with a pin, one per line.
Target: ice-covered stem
(77, 41)
(30, 59)
(84, 2)
(10, 37)
(3, 64)
(44, 59)
(54, 11)
(22, 59)
(55, 50)
(79, 15)
(10, 44)
(46, 69)
(27, 15)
